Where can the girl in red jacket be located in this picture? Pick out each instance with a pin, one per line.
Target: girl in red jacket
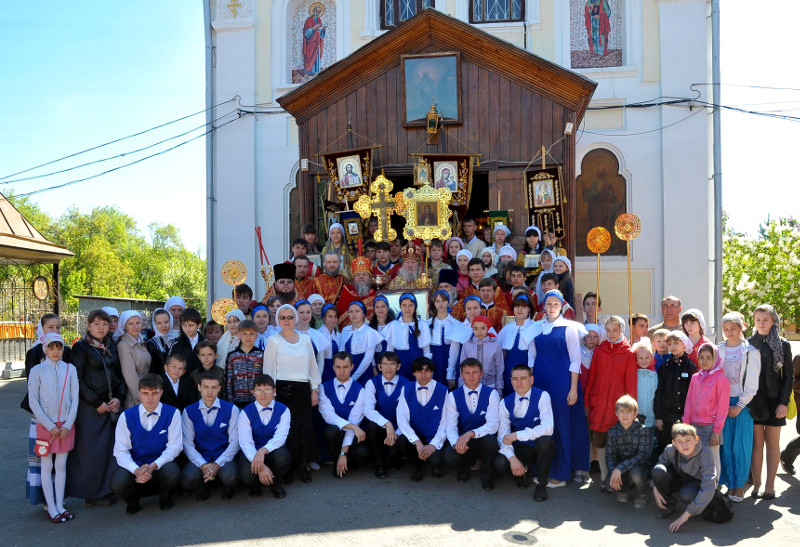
(612, 374)
(707, 401)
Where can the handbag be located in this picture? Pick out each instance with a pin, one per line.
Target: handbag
(42, 446)
(791, 412)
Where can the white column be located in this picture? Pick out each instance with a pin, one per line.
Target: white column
(685, 53)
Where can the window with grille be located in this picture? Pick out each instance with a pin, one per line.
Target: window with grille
(491, 11)
(394, 12)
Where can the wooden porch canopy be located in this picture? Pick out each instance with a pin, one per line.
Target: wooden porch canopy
(512, 103)
(22, 243)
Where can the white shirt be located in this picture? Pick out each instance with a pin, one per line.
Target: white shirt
(451, 410)
(545, 426)
(398, 333)
(453, 331)
(404, 414)
(193, 341)
(363, 340)
(291, 362)
(174, 383)
(370, 399)
(246, 442)
(122, 438)
(329, 414)
(210, 416)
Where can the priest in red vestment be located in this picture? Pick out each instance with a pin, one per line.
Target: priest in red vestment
(359, 290)
(329, 285)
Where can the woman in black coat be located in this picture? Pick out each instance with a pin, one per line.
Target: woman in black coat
(102, 389)
(771, 401)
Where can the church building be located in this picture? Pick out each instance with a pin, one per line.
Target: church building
(611, 89)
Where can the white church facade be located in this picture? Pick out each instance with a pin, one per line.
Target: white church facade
(643, 146)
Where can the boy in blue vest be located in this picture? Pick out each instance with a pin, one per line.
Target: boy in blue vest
(341, 404)
(210, 440)
(381, 395)
(524, 434)
(147, 440)
(263, 428)
(421, 419)
(472, 422)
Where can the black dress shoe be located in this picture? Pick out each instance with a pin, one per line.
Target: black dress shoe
(255, 491)
(463, 476)
(540, 494)
(227, 492)
(165, 502)
(278, 492)
(594, 467)
(524, 481)
(417, 475)
(438, 472)
(132, 506)
(305, 476)
(487, 484)
(380, 472)
(203, 491)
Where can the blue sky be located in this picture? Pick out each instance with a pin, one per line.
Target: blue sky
(78, 74)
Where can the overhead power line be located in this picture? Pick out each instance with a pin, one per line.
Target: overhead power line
(76, 181)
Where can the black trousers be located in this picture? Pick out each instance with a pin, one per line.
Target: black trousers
(302, 442)
(541, 455)
(792, 450)
(484, 449)
(410, 450)
(334, 437)
(164, 481)
(635, 479)
(277, 460)
(376, 435)
(670, 484)
(192, 476)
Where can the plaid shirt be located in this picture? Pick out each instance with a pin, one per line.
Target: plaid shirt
(627, 448)
(241, 368)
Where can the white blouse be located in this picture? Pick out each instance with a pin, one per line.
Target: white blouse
(291, 362)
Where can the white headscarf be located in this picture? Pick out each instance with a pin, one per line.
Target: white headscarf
(697, 313)
(235, 313)
(534, 228)
(174, 301)
(484, 251)
(683, 337)
(565, 260)
(539, 291)
(166, 338)
(110, 311)
(502, 227)
(287, 307)
(464, 252)
(596, 328)
(336, 225)
(314, 297)
(124, 318)
(507, 250)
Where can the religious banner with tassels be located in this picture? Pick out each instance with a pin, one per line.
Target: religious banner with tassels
(350, 172)
(497, 217)
(451, 171)
(545, 197)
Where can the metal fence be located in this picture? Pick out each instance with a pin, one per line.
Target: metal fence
(20, 311)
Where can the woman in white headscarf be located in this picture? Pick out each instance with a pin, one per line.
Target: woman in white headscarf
(289, 359)
(230, 339)
(134, 359)
(159, 344)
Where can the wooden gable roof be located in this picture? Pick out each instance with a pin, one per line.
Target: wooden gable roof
(22, 243)
(431, 28)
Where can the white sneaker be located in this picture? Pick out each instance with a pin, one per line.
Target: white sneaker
(560, 484)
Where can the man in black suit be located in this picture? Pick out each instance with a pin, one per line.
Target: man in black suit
(179, 390)
(190, 335)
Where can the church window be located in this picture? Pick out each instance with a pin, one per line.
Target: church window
(490, 11)
(394, 12)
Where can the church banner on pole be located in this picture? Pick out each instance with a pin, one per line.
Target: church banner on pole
(451, 171)
(545, 200)
(350, 172)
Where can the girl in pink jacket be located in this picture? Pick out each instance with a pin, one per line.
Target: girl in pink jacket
(707, 401)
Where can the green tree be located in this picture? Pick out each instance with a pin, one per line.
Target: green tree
(112, 258)
(762, 270)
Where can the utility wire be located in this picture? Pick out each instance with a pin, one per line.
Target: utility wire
(116, 140)
(121, 155)
(76, 181)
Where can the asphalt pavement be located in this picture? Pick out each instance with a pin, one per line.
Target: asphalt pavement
(364, 510)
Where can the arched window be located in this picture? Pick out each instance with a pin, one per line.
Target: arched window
(602, 195)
